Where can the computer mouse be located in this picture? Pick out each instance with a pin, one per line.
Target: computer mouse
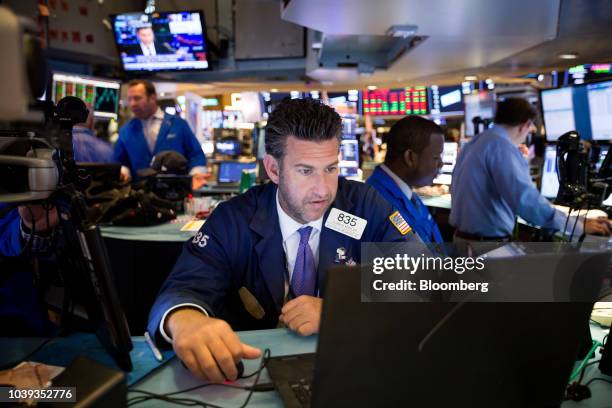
(239, 368)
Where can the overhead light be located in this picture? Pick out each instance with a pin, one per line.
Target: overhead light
(541, 77)
(488, 81)
(568, 56)
(403, 31)
(273, 90)
(372, 87)
(470, 77)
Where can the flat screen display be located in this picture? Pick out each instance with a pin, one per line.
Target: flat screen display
(404, 101)
(230, 172)
(98, 93)
(164, 41)
(550, 181)
(600, 110)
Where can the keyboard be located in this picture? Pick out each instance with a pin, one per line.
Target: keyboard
(302, 390)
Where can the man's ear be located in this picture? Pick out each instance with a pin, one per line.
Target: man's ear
(272, 166)
(410, 159)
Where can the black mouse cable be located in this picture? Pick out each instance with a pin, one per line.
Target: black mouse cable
(256, 387)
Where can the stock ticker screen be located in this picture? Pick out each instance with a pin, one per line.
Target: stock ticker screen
(98, 93)
(404, 101)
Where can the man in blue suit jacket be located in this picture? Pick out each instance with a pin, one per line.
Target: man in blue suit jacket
(152, 131)
(414, 148)
(261, 258)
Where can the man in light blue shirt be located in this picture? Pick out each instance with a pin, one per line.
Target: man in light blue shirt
(492, 186)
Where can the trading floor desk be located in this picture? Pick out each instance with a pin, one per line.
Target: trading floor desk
(169, 375)
(440, 206)
(141, 259)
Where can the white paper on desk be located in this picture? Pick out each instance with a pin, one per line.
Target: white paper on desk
(54, 371)
(192, 226)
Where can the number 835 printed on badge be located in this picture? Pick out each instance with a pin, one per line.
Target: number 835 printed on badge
(346, 223)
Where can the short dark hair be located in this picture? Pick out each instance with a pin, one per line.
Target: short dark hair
(149, 87)
(305, 119)
(412, 132)
(514, 112)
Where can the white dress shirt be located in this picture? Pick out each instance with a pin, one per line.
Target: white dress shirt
(151, 126)
(291, 241)
(148, 50)
(291, 238)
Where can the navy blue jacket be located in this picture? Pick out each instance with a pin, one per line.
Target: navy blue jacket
(419, 218)
(240, 245)
(133, 151)
(20, 310)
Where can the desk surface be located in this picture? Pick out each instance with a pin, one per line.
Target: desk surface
(173, 376)
(166, 232)
(170, 376)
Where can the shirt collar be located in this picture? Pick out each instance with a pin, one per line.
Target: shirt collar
(289, 226)
(159, 115)
(400, 183)
(499, 130)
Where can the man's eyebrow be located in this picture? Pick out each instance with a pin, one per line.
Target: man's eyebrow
(308, 166)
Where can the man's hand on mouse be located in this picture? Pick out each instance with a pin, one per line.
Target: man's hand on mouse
(598, 226)
(302, 314)
(209, 347)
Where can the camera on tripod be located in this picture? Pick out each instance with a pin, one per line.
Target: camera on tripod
(579, 185)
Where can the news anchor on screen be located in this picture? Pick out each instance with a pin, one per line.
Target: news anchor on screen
(147, 44)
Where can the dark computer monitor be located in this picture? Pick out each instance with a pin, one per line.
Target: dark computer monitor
(101, 94)
(600, 110)
(231, 171)
(480, 354)
(228, 147)
(162, 41)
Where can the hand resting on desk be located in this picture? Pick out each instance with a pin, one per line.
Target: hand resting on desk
(302, 314)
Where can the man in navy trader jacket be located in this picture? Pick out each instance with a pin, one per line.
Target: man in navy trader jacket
(414, 149)
(152, 131)
(261, 258)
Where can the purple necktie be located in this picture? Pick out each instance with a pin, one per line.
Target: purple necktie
(303, 280)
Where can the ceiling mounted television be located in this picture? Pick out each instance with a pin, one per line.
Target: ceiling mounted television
(162, 41)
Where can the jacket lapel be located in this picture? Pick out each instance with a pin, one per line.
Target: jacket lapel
(139, 140)
(269, 248)
(331, 240)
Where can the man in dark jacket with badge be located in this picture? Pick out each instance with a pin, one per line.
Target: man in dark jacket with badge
(261, 258)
